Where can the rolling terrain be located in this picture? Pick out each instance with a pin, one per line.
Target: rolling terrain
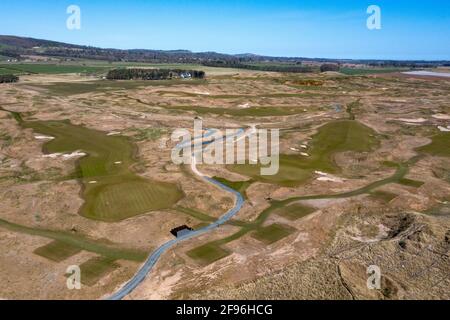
(87, 179)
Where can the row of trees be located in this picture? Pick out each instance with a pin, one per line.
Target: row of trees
(153, 74)
(8, 78)
(329, 67)
(298, 68)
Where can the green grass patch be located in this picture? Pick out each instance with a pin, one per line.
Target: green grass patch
(96, 268)
(411, 183)
(207, 253)
(272, 233)
(366, 71)
(383, 195)
(440, 145)
(294, 211)
(112, 192)
(8, 71)
(333, 137)
(53, 68)
(57, 251)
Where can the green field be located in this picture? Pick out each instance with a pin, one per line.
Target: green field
(365, 71)
(333, 137)
(383, 195)
(7, 71)
(294, 211)
(272, 233)
(57, 251)
(411, 183)
(117, 193)
(96, 268)
(440, 145)
(207, 253)
(24, 68)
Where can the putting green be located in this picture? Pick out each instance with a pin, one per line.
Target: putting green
(112, 192)
(333, 137)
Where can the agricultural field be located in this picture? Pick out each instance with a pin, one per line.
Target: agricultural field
(87, 178)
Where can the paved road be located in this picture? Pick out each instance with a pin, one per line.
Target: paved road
(153, 258)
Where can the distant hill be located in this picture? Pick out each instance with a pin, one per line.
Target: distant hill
(17, 47)
(14, 46)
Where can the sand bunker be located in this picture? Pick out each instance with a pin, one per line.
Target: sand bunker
(417, 120)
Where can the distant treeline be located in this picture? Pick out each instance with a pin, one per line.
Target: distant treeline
(274, 68)
(330, 67)
(405, 64)
(8, 78)
(153, 74)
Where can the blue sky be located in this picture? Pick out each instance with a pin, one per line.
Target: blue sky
(308, 28)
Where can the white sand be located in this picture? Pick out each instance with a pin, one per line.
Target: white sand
(44, 137)
(74, 154)
(244, 106)
(417, 120)
(441, 116)
(52, 155)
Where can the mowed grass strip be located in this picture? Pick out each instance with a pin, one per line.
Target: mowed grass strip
(112, 192)
(207, 253)
(100, 247)
(57, 251)
(383, 195)
(411, 183)
(272, 233)
(95, 269)
(294, 211)
(333, 137)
